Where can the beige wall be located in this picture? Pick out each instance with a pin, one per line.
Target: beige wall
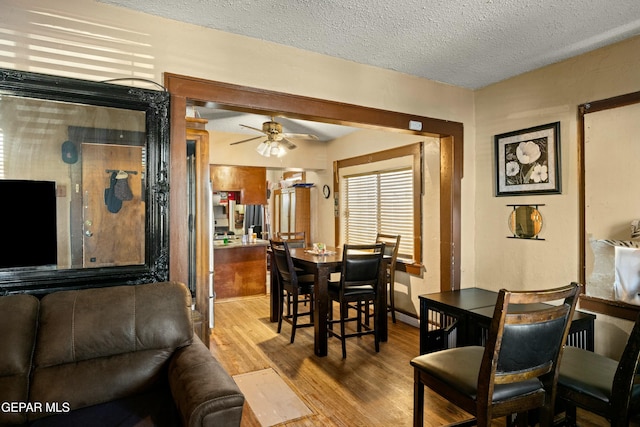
(115, 43)
(96, 41)
(546, 95)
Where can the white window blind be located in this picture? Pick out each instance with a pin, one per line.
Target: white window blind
(380, 202)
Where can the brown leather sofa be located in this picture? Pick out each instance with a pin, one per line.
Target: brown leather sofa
(115, 356)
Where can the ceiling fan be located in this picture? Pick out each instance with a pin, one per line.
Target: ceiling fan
(276, 141)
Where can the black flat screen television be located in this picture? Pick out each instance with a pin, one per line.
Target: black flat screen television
(28, 223)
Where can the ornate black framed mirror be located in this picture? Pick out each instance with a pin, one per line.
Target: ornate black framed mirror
(84, 182)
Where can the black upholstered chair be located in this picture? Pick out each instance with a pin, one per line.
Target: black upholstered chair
(292, 235)
(599, 384)
(292, 286)
(391, 245)
(358, 283)
(517, 369)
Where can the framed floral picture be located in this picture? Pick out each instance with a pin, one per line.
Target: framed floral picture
(528, 161)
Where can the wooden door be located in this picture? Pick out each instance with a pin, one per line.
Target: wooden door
(285, 212)
(112, 238)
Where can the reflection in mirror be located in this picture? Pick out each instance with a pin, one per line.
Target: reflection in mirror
(98, 153)
(525, 222)
(97, 172)
(610, 207)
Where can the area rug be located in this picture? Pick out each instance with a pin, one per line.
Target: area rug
(270, 398)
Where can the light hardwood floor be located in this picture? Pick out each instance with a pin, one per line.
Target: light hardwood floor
(365, 389)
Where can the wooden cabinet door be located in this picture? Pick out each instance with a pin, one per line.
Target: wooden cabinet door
(292, 210)
(250, 181)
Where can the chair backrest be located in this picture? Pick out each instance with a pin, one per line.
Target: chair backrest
(391, 245)
(284, 263)
(623, 381)
(291, 235)
(361, 264)
(526, 338)
(295, 243)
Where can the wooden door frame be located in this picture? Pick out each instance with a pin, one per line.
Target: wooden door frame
(202, 221)
(265, 102)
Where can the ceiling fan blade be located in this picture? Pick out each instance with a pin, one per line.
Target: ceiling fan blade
(301, 136)
(246, 140)
(252, 128)
(288, 144)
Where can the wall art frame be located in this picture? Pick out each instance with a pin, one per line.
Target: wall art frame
(528, 161)
(43, 102)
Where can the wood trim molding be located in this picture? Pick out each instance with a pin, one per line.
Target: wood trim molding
(413, 150)
(598, 305)
(610, 308)
(261, 101)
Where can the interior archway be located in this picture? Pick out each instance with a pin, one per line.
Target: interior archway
(184, 89)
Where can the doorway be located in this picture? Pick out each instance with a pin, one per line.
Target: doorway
(186, 89)
(113, 210)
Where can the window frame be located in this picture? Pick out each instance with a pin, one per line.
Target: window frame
(416, 152)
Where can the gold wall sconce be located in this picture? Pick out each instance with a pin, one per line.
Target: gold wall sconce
(525, 222)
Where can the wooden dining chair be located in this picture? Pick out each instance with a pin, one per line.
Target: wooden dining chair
(359, 278)
(292, 286)
(391, 245)
(292, 235)
(515, 372)
(599, 384)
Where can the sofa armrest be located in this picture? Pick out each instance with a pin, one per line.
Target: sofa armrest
(204, 393)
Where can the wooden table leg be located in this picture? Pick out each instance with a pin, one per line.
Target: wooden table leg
(321, 296)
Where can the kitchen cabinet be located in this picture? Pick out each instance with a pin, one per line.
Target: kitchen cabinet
(292, 210)
(240, 269)
(250, 181)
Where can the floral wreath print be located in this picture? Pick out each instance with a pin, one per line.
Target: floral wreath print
(527, 162)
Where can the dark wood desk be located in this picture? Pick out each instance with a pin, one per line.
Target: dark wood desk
(321, 266)
(459, 318)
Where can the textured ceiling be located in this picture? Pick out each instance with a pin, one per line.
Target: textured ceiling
(466, 43)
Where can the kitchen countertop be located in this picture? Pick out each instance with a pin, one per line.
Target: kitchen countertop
(237, 243)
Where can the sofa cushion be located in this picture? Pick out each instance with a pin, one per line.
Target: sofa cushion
(98, 345)
(18, 324)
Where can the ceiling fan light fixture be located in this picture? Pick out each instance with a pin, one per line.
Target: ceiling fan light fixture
(277, 150)
(271, 148)
(264, 149)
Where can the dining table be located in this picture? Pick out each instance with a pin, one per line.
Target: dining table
(322, 265)
(462, 317)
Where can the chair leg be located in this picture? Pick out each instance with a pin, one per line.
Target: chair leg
(344, 312)
(392, 300)
(418, 400)
(330, 317)
(522, 419)
(570, 415)
(367, 313)
(288, 304)
(376, 326)
(294, 318)
(281, 312)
